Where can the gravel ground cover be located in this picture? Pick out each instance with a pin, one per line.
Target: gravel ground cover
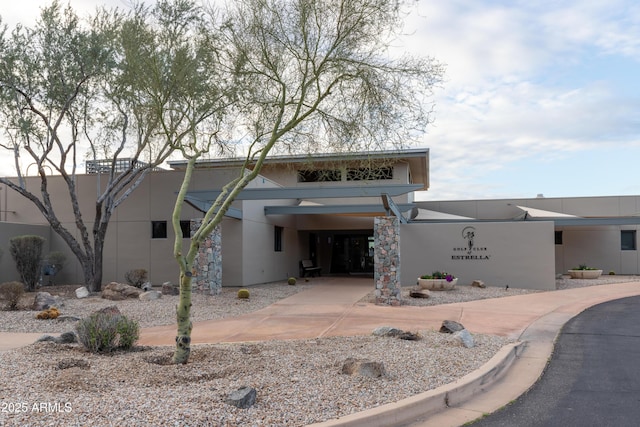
(298, 382)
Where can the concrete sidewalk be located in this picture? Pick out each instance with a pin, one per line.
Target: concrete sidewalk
(332, 308)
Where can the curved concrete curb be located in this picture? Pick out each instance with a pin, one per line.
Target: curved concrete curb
(433, 401)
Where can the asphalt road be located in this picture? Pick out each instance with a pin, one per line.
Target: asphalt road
(593, 377)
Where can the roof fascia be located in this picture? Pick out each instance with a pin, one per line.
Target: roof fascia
(332, 209)
(311, 192)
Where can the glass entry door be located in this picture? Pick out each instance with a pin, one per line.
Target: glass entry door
(352, 254)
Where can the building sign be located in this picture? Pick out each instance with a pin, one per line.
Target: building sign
(470, 249)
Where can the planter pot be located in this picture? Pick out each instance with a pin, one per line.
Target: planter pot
(437, 284)
(585, 274)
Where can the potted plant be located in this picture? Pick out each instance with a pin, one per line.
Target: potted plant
(584, 272)
(437, 281)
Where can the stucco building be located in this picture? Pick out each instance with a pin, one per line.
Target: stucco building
(323, 209)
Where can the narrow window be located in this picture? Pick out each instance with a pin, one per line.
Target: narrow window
(628, 240)
(277, 238)
(558, 237)
(319, 175)
(158, 229)
(185, 226)
(369, 174)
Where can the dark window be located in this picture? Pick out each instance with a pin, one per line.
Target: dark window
(277, 238)
(369, 174)
(628, 240)
(319, 175)
(185, 226)
(158, 229)
(558, 237)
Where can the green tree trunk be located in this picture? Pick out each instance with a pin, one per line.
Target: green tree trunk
(183, 313)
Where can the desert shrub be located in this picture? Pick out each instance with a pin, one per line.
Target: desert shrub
(612, 273)
(105, 332)
(11, 293)
(136, 277)
(243, 293)
(56, 259)
(291, 281)
(26, 251)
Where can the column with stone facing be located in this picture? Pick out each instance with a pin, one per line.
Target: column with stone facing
(208, 262)
(387, 261)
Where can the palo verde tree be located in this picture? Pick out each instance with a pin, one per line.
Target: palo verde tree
(308, 76)
(66, 89)
(188, 93)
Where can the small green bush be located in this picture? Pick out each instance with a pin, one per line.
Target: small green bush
(57, 260)
(11, 292)
(243, 294)
(291, 281)
(105, 332)
(612, 273)
(26, 251)
(136, 277)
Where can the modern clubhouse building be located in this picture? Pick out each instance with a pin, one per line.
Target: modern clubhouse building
(324, 209)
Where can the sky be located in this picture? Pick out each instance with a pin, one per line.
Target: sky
(539, 98)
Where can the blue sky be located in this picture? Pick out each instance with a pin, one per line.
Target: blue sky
(540, 97)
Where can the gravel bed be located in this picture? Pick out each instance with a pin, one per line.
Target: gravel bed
(298, 382)
(148, 313)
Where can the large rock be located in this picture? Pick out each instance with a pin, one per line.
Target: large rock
(365, 368)
(150, 296)
(386, 331)
(465, 338)
(82, 292)
(115, 291)
(44, 301)
(478, 284)
(242, 398)
(419, 293)
(169, 288)
(64, 338)
(451, 326)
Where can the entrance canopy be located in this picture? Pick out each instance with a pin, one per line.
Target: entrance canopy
(202, 200)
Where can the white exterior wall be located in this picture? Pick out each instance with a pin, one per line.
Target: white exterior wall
(518, 254)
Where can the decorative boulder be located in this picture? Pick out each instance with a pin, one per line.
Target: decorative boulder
(242, 398)
(465, 338)
(450, 326)
(66, 338)
(419, 293)
(146, 286)
(478, 284)
(365, 368)
(169, 288)
(386, 331)
(82, 292)
(150, 296)
(115, 291)
(44, 301)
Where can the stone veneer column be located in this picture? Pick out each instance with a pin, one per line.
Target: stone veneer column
(208, 262)
(386, 231)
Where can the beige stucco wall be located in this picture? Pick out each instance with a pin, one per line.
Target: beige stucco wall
(516, 254)
(597, 246)
(128, 243)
